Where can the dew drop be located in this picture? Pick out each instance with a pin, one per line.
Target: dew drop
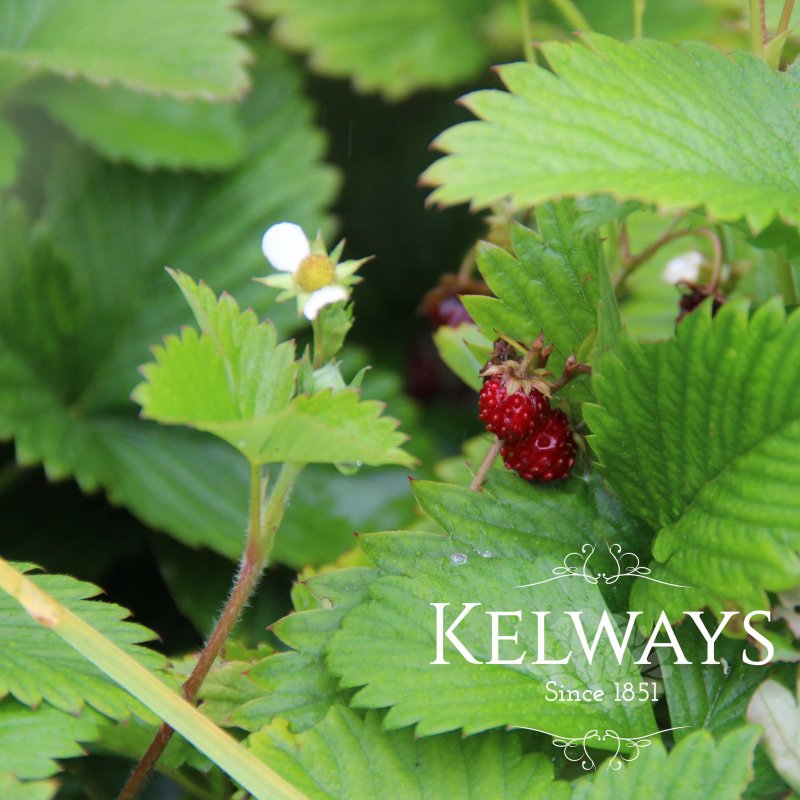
(349, 468)
(484, 553)
(457, 559)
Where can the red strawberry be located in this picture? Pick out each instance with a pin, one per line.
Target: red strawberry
(511, 418)
(548, 455)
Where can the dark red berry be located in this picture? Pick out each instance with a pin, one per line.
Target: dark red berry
(442, 304)
(450, 312)
(548, 455)
(690, 301)
(511, 418)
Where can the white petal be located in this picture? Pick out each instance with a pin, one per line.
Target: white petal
(323, 297)
(685, 267)
(285, 246)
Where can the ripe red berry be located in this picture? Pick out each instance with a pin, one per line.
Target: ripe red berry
(548, 455)
(511, 418)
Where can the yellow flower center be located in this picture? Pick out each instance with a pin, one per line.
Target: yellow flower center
(314, 272)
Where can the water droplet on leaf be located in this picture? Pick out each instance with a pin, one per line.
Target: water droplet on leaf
(457, 559)
(349, 468)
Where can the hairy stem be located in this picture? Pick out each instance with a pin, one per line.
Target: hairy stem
(484, 468)
(527, 36)
(758, 28)
(263, 525)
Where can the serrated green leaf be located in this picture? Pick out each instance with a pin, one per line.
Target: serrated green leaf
(550, 285)
(778, 713)
(323, 428)
(10, 151)
(12, 789)
(498, 540)
(700, 128)
(295, 685)
(167, 132)
(76, 322)
(682, 429)
(37, 665)
(599, 210)
(233, 370)
(394, 46)
(142, 45)
(710, 696)
(697, 769)
(346, 757)
(31, 739)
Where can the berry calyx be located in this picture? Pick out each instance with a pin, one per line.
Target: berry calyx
(547, 455)
(511, 417)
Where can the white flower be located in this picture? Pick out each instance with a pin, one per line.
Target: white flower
(313, 276)
(323, 297)
(685, 267)
(285, 246)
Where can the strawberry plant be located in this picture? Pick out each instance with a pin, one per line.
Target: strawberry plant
(587, 361)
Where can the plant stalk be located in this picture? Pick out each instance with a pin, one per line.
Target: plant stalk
(484, 468)
(639, 7)
(786, 17)
(758, 27)
(527, 35)
(262, 527)
(235, 760)
(572, 14)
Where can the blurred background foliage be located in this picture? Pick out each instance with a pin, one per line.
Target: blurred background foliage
(139, 135)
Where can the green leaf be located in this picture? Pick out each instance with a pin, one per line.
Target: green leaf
(77, 320)
(37, 665)
(497, 541)
(349, 758)
(778, 713)
(131, 738)
(12, 789)
(552, 284)
(697, 769)
(363, 502)
(294, 685)
(454, 346)
(234, 382)
(31, 740)
(233, 370)
(185, 48)
(699, 128)
(10, 151)
(682, 429)
(331, 326)
(713, 696)
(395, 46)
(168, 132)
